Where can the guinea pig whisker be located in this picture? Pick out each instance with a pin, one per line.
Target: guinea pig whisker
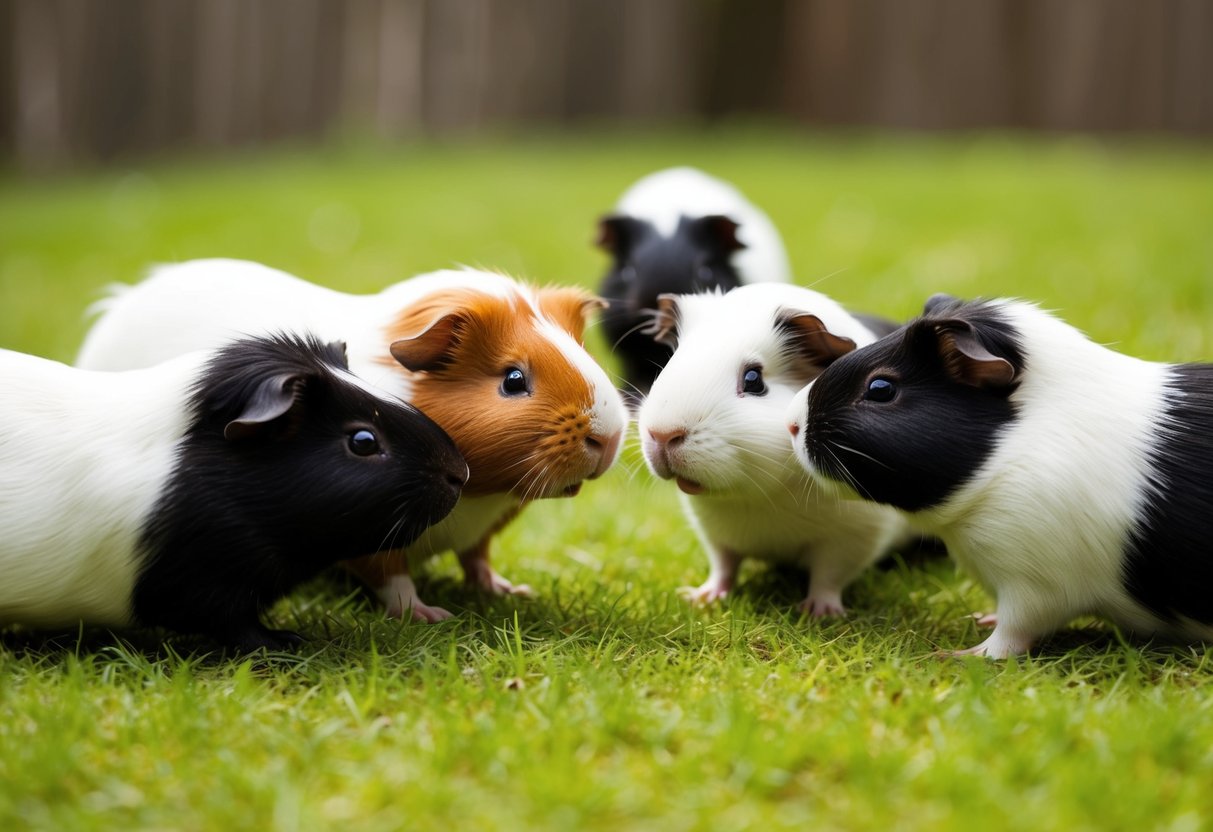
(847, 476)
(638, 328)
(850, 450)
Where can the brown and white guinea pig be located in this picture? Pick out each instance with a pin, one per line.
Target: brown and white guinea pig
(498, 364)
(678, 231)
(714, 422)
(192, 494)
(1068, 478)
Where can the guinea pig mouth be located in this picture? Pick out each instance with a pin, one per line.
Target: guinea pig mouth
(687, 486)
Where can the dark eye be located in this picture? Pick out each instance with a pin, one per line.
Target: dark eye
(514, 383)
(752, 383)
(880, 390)
(705, 274)
(363, 442)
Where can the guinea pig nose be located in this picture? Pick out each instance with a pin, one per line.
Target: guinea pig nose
(606, 448)
(669, 438)
(794, 429)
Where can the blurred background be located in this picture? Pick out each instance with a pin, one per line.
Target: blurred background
(91, 81)
(1052, 149)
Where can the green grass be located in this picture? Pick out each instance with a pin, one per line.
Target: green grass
(605, 703)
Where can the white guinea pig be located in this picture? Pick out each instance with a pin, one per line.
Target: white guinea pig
(678, 231)
(715, 422)
(192, 494)
(1069, 479)
(498, 364)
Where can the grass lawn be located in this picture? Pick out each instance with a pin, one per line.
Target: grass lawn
(605, 703)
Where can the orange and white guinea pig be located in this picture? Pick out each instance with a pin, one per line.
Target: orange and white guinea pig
(499, 365)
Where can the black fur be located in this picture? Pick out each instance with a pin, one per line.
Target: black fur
(243, 520)
(1169, 561)
(697, 258)
(917, 449)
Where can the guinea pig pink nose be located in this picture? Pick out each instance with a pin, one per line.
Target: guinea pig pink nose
(668, 439)
(794, 429)
(606, 448)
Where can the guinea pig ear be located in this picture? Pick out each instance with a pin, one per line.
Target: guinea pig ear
(569, 307)
(718, 232)
(663, 328)
(814, 346)
(272, 399)
(967, 360)
(616, 233)
(431, 347)
(938, 301)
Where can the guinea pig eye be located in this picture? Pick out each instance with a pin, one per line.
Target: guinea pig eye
(752, 383)
(514, 383)
(363, 442)
(628, 273)
(880, 390)
(704, 274)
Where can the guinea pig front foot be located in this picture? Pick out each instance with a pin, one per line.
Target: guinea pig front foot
(710, 591)
(823, 605)
(997, 646)
(479, 574)
(985, 620)
(400, 598)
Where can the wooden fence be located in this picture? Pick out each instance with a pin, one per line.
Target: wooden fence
(92, 80)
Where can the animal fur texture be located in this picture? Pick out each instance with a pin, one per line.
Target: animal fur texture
(444, 341)
(678, 231)
(715, 423)
(1070, 479)
(192, 494)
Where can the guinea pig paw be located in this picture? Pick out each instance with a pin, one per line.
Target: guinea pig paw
(494, 583)
(997, 646)
(826, 605)
(985, 619)
(706, 593)
(424, 613)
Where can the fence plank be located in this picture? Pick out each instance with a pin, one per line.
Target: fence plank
(91, 80)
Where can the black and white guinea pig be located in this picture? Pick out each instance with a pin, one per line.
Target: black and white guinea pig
(714, 422)
(1068, 478)
(678, 231)
(193, 494)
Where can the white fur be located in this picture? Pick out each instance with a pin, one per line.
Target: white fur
(1044, 522)
(204, 303)
(666, 196)
(83, 458)
(758, 501)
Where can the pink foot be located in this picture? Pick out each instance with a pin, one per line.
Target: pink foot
(477, 573)
(824, 605)
(985, 619)
(710, 591)
(399, 596)
(996, 646)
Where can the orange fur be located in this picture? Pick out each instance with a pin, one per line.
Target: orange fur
(459, 344)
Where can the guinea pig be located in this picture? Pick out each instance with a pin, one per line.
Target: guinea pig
(498, 364)
(678, 231)
(1069, 479)
(193, 494)
(714, 422)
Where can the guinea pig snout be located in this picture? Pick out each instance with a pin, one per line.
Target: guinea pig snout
(603, 448)
(662, 448)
